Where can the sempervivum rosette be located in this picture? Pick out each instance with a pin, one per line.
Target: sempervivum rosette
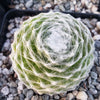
(52, 52)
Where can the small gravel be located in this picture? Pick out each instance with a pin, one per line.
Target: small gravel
(97, 45)
(5, 71)
(97, 37)
(5, 90)
(1, 63)
(10, 97)
(21, 96)
(98, 70)
(29, 3)
(82, 95)
(75, 92)
(29, 94)
(56, 96)
(90, 96)
(45, 97)
(70, 96)
(25, 91)
(93, 75)
(35, 97)
(10, 26)
(63, 95)
(98, 25)
(98, 86)
(20, 86)
(48, 5)
(13, 90)
(13, 84)
(58, 5)
(93, 91)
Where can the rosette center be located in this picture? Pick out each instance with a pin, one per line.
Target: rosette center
(58, 40)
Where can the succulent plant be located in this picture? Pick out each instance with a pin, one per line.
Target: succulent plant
(52, 52)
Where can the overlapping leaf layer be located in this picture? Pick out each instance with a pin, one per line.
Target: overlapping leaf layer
(52, 52)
